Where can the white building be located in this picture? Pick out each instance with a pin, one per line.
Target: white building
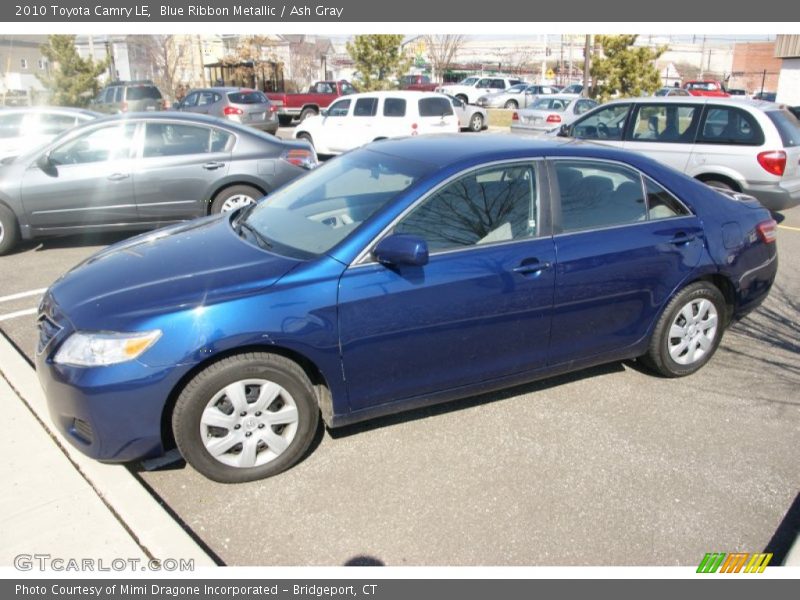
(787, 48)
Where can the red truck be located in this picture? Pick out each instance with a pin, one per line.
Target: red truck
(419, 83)
(307, 104)
(706, 88)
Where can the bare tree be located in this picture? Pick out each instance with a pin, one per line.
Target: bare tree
(166, 55)
(251, 61)
(304, 63)
(441, 51)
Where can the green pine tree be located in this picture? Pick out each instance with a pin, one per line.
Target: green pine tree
(377, 58)
(624, 70)
(71, 80)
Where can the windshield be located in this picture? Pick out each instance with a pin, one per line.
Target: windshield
(575, 88)
(316, 212)
(555, 104)
(469, 81)
(516, 89)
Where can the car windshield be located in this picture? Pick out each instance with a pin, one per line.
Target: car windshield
(516, 89)
(554, 104)
(663, 92)
(575, 88)
(316, 212)
(469, 81)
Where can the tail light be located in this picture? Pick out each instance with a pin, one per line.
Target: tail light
(773, 162)
(273, 108)
(515, 116)
(232, 110)
(165, 105)
(553, 119)
(767, 231)
(300, 157)
(124, 107)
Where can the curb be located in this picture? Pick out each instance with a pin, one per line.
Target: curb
(145, 519)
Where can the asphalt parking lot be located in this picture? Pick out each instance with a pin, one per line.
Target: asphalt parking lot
(608, 466)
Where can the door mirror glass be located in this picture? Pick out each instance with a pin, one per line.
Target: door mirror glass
(45, 163)
(564, 131)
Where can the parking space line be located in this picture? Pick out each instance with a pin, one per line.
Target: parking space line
(789, 227)
(19, 313)
(22, 295)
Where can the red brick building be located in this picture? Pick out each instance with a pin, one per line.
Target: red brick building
(750, 62)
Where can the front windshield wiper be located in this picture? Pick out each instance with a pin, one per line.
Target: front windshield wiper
(263, 242)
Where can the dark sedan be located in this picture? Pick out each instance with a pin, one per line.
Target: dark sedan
(141, 171)
(401, 274)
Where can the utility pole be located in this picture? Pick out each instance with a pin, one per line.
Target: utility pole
(587, 63)
(569, 54)
(561, 59)
(702, 58)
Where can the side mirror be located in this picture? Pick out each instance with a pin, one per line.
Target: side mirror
(45, 163)
(402, 249)
(565, 131)
(324, 112)
(177, 105)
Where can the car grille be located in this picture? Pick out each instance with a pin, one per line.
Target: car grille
(47, 331)
(83, 430)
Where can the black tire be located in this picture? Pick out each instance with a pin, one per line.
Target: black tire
(284, 120)
(511, 104)
(716, 183)
(9, 230)
(235, 190)
(476, 122)
(195, 397)
(308, 112)
(307, 137)
(659, 356)
(463, 98)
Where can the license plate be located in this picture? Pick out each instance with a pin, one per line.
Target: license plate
(259, 116)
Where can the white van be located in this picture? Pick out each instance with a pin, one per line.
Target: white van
(358, 119)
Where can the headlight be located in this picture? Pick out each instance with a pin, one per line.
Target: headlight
(97, 349)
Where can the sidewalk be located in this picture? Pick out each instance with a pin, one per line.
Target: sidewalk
(60, 503)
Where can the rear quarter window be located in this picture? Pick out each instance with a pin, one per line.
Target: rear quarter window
(730, 126)
(787, 125)
(435, 107)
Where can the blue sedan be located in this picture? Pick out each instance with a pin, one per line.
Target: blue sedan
(406, 273)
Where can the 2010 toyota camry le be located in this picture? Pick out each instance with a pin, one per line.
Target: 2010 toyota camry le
(404, 273)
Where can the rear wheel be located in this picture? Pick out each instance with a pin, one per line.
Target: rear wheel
(476, 122)
(234, 197)
(308, 112)
(511, 104)
(9, 230)
(246, 417)
(688, 332)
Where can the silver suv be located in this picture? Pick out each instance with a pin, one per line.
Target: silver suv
(241, 105)
(128, 96)
(731, 143)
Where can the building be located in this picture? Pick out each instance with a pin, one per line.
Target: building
(787, 50)
(21, 60)
(755, 67)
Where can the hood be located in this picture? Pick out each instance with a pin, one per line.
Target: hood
(176, 268)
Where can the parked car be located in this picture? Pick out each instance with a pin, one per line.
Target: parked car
(550, 112)
(765, 96)
(470, 89)
(737, 92)
(714, 89)
(362, 118)
(240, 105)
(517, 96)
(470, 117)
(129, 96)
(141, 171)
(22, 129)
(672, 91)
(308, 104)
(399, 275)
(418, 83)
(736, 144)
(575, 88)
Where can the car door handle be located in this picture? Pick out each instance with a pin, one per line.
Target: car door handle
(682, 238)
(118, 176)
(528, 266)
(210, 166)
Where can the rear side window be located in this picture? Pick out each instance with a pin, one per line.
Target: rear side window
(435, 107)
(394, 107)
(787, 125)
(247, 98)
(143, 92)
(173, 139)
(730, 125)
(660, 203)
(366, 107)
(665, 123)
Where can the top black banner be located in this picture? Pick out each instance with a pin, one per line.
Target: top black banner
(360, 11)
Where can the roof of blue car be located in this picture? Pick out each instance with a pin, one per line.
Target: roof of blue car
(452, 149)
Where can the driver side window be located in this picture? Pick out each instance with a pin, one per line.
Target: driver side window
(114, 142)
(605, 124)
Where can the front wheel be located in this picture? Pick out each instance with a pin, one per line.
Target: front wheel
(476, 122)
(9, 230)
(246, 417)
(688, 332)
(511, 104)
